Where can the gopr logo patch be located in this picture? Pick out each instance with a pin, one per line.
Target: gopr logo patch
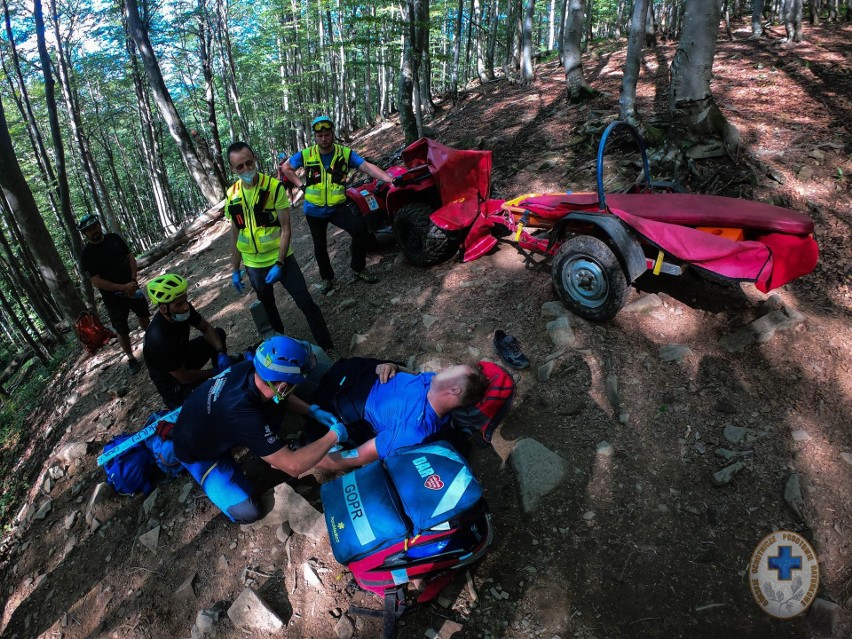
(433, 482)
(783, 574)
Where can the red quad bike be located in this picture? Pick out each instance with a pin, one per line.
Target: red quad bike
(436, 198)
(598, 244)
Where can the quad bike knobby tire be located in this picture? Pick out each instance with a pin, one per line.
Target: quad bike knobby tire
(420, 240)
(589, 279)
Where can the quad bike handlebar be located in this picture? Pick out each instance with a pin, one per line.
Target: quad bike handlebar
(602, 147)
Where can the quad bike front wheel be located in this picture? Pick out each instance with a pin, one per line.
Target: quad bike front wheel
(589, 279)
(421, 241)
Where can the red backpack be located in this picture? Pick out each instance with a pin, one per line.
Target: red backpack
(91, 333)
(492, 408)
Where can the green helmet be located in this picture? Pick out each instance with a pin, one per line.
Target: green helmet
(166, 288)
(87, 221)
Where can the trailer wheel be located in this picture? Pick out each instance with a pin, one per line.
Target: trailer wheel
(589, 279)
(420, 240)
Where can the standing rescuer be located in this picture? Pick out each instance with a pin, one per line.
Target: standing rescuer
(111, 267)
(258, 209)
(326, 167)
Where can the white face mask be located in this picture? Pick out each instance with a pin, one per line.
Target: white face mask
(180, 317)
(248, 176)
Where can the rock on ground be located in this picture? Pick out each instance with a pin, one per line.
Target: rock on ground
(538, 471)
(251, 612)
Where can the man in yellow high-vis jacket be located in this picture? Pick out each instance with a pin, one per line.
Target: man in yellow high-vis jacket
(259, 212)
(326, 166)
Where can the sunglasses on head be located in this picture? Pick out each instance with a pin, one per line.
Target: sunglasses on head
(323, 126)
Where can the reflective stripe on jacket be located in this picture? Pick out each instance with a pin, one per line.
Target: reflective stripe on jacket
(325, 187)
(259, 230)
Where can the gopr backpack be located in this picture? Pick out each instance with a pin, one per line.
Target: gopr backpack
(130, 472)
(91, 332)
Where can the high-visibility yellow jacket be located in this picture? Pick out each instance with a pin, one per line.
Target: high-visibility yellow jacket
(255, 213)
(326, 187)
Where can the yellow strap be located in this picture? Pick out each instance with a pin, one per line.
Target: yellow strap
(659, 263)
(519, 231)
(204, 476)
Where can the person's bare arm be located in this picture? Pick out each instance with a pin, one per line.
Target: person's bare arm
(348, 459)
(236, 257)
(134, 268)
(290, 172)
(106, 285)
(294, 463)
(375, 172)
(284, 221)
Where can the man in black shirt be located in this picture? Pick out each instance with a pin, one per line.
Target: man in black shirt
(244, 406)
(175, 362)
(112, 269)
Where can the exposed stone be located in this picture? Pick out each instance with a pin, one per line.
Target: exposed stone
(70, 452)
(612, 392)
(553, 309)
(251, 612)
(47, 485)
(762, 329)
(356, 341)
(739, 435)
(344, 628)
(70, 519)
(56, 473)
(817, 154)
(149, 502)
(291, 507)
(847, 457)
(728, 455)
(150, 539)
(823, 614)
(560, 333)
(793, 495)
(674, 352)
(283, 532)
(311, 576)
(185, 491)
(450, 629)
(99, 495)
(186, 591)
(205, 621)
(704, 151)
(43, 510)
(538, 470)
(726, 475)
(800, 435)
(805, 173)
(643, 304)
(604, 449)
(428, 320)
(545, 371)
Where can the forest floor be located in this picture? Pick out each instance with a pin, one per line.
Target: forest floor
(665, 551)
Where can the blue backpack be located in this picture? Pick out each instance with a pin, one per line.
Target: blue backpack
(163, 450)
(130, 472)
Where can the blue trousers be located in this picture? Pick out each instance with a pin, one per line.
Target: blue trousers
(226, 486)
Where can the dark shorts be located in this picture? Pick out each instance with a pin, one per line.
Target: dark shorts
(118, 309)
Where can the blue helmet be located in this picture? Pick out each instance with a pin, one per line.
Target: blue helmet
(322, 123)
(283, 359)
(87, 221)
(282, 156)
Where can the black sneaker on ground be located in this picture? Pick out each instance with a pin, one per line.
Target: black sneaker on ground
(509, 350)
(134, 366)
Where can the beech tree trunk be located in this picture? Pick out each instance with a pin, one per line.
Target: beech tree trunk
(527, 72)
(211, 188)
(627, 99)
(792, 13)
(691, 103)
(572, 57)
(407, 119)
(34, 230)
(757, 18)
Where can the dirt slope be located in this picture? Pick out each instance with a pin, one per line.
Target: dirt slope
(665, 551)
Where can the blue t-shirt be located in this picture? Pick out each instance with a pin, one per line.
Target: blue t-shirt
(224, 412)
(400, 412)
(297, 161)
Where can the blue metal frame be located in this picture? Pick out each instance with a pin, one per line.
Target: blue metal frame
(602, 147)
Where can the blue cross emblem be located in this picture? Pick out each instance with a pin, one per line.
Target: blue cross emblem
(785, 563)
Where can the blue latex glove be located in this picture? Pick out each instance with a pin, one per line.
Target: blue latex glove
(222, 362)
(274, 274)
(323, 417)
(237, 281)
(339, 429)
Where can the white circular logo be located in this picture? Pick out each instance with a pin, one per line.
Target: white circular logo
(783, 574)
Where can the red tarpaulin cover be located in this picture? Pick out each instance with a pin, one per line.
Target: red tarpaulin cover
(463, 177)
